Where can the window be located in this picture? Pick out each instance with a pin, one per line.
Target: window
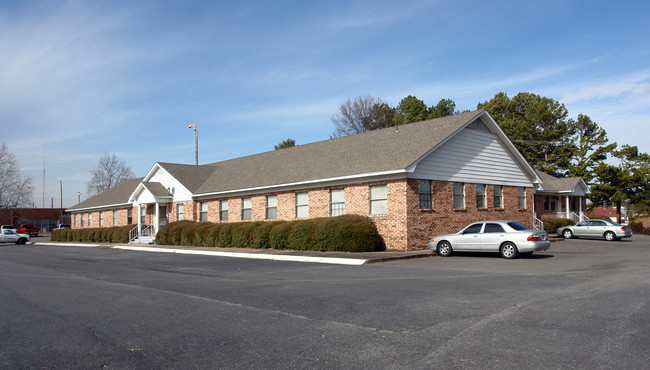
(180, 212)
(90, 219)
(129, 216)
(114, 218)
(378, 200)
(203, 212)
(480, 196)
(271, 207)
(553, 201)
(424, 191)
(337, 202)
(101, 219)
(574, 206)
(302, 205)
(498, 196)
(143, 213)
(521, 197)
(223, 210)
(493, 228)
(82, 220)
(75, 220)
(473, 229)
(246, 208)
(459, 195)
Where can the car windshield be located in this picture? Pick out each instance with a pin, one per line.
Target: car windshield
(517, 226)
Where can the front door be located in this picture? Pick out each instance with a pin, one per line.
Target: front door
(470, 239)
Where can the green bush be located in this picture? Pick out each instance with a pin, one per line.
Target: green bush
(347, 233)
(261, 235)
(279, 235)
(552, 224)
(241, 235)
(225, 237)
(201, 234)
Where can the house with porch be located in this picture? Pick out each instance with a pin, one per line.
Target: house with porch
(561, 197)
(414, 181)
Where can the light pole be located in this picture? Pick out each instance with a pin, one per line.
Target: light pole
(196, 142)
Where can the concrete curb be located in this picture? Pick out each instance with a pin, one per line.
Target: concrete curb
(274, 257)
(67, 244)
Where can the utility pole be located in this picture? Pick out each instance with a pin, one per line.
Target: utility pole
(196, 142)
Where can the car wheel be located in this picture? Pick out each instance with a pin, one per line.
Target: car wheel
(610, 236)
(567, 234)
(444, 249)
(508, 250)
(526, 254)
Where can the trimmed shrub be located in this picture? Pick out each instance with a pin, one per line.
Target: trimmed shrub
(241, 234)
(200, 234)
(279, 235)
(347, 233)
(640, 226)
(552, 224)
(261, 235)
(225, 237)
(212, 235)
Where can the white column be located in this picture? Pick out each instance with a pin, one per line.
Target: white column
(580, 207)
(567, 206)
(139, 219)
(156, 220)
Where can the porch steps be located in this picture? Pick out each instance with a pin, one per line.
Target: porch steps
(144, 240)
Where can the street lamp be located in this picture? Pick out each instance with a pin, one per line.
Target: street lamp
(196, 142)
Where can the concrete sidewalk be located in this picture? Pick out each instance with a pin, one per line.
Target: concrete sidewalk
(342, 258)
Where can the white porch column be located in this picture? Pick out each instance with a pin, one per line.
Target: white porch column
(156, 220)
(580, 207)
(139, 219)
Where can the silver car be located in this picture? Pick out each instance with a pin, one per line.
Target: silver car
(607, 229)
(509, 238)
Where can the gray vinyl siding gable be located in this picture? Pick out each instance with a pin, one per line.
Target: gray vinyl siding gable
(474, 155)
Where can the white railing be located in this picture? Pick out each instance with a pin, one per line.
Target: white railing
(578, 217)
(538, 224)
(147, 231)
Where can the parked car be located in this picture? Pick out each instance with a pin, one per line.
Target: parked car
(607, 229)
(509, 238)
(8, 227)
(29, 229)
(61, 227)
(11, 236)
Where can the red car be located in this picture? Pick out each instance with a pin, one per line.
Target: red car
(28, 229)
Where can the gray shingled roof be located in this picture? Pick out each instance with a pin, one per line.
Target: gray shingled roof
(157, 189)
(383, 150)
(369, 152)
(118, 194)
(552, 183)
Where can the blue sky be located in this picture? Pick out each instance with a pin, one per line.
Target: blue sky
(81, 78)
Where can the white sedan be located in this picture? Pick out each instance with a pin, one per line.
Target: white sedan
(509, 238)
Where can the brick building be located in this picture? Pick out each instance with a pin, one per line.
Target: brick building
(413, 181)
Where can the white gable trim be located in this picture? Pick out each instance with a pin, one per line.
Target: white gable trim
(180, 192)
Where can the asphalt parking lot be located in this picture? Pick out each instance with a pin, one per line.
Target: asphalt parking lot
(582, 304)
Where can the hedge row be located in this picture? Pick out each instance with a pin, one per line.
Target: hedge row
(552, 224)
(640, 226)
(347, 233)
(96, 235)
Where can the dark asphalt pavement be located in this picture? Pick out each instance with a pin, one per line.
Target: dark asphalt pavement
(582, 304)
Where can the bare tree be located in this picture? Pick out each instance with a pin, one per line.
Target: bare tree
(16, 190)
(362, 114)
(109, 172)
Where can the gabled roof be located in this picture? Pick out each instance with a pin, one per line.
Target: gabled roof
(388, 150)
(383, 152)
(157, 189)
(116, 196)
(560, 184)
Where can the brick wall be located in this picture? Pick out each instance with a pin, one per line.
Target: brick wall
(443, 218)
